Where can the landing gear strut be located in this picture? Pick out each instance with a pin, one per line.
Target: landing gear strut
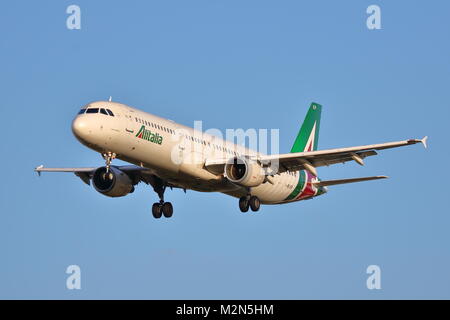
(161, 208)
(108, 156)
(249, 201)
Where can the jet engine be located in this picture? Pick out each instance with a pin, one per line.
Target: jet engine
(114, 183)
(244, 172)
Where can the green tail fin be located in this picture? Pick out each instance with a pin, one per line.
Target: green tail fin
(308, 136)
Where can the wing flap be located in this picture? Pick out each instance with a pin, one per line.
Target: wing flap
(215, 166)
(128, 168)
(325, 160)
(85, 173)
(42, 169)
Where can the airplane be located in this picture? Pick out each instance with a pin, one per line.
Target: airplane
(163, 153)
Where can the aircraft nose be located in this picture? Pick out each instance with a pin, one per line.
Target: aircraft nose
(79, 127)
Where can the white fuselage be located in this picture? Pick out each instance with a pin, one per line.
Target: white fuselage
(174, 152)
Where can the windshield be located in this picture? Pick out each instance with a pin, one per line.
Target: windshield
(92, 110)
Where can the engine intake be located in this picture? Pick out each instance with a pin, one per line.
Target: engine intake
(115, 183)
(244, 172)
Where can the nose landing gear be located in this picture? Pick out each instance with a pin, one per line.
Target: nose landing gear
(108, 156)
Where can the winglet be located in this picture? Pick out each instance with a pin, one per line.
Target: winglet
(38, 169)
(424, 141)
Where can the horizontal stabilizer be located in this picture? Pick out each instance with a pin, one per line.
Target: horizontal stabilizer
(343, 181)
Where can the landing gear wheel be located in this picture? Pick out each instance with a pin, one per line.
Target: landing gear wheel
(254, 203)
(157, 210)
(244, 204)
(167, 209)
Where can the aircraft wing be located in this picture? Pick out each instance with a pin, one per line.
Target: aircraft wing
(313, 159)
(85, 174)
(74, 170)
(136, 173)
(89, 170)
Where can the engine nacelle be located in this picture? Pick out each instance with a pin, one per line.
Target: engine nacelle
(115, 183)
(244, 172)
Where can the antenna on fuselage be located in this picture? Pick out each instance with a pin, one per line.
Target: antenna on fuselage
(110, 99)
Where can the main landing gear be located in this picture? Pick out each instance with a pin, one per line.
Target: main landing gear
(249, 202)
(161, 208)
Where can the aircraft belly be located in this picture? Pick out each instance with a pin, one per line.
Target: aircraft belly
(277, 192)
(269, 193)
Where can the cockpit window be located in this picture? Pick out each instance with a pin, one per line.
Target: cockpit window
(82, 111)
(110, 112)
(92, 110)
(103, 111)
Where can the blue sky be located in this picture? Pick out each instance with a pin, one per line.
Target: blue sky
(231, 64)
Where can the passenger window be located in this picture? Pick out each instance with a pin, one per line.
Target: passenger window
(103, 111)
(92, 110)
